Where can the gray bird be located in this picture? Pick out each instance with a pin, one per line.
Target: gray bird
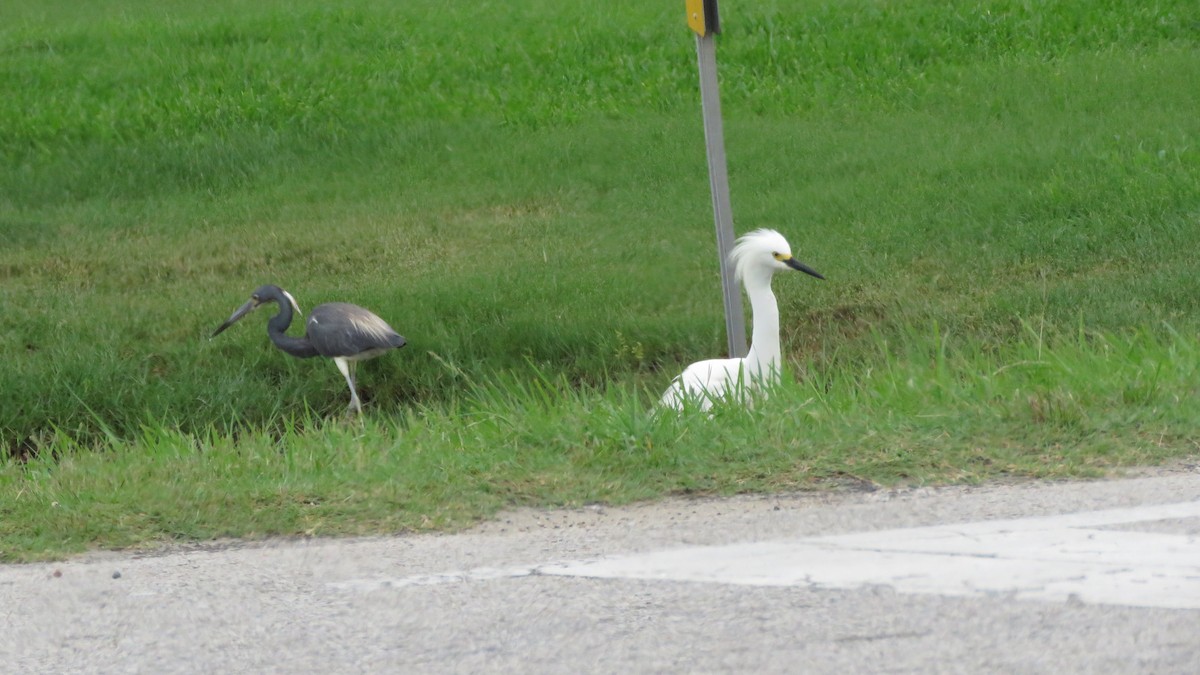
(337, 330)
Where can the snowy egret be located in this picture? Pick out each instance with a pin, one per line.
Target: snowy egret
(755, 259)
(345, 333)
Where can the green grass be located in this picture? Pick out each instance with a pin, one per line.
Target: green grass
(1004, 196)
(922, 416)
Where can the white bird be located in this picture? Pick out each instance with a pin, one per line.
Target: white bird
(755, 259)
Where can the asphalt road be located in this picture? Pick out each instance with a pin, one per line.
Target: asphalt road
(986, 579)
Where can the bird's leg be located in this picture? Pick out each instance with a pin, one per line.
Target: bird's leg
(347, 368)
(354, 382)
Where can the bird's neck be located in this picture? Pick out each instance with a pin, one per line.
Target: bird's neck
(277, 330)
(764, 357)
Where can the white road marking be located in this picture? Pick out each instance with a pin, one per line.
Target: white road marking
(477, 574)
(1054, 558)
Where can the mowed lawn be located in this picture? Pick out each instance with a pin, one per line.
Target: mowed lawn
(1004, 198)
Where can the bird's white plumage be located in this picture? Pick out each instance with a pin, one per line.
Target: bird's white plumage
(714, 381)
(755, 259)
(292, 299)
(757, 250)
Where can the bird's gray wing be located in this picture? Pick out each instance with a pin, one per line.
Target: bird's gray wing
(341, 329)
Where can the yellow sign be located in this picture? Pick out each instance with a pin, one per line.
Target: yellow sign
(695, 16)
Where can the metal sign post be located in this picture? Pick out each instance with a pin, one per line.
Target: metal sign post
(703, 19)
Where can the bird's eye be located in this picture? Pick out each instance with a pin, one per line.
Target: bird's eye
(778, 256)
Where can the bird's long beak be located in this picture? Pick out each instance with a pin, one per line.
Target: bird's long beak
(245, 309)
(797, 265)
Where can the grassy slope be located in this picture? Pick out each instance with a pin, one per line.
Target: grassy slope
(1005, 202)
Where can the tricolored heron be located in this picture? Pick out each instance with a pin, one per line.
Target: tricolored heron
(337, 330)
(756, 258)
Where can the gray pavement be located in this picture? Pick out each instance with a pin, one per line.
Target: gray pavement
(600, 590)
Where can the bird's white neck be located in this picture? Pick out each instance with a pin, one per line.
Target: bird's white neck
(763, 361)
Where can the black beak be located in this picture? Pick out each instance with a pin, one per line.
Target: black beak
(245, 309)
(797, 265)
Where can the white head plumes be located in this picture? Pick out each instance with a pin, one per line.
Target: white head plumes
(756, 258)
